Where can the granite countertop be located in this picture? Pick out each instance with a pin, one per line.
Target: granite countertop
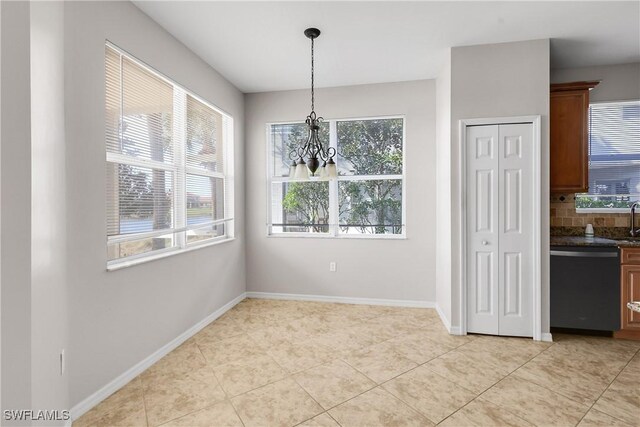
(591, 241)
(629, 243)
(581, 241)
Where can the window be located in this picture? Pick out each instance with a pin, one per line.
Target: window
(614, 157)
(367, 199)
(169, 163)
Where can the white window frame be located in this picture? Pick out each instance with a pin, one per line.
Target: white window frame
(179, 170)
(605, 210)
(334, 227)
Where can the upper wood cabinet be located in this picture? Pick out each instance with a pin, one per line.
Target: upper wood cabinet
(569, 136)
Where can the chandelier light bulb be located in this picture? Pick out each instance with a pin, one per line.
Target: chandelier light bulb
(302, 172)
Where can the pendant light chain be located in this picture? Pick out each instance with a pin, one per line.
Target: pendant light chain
(312, 80)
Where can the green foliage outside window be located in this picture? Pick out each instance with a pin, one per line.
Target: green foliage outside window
(583, 202)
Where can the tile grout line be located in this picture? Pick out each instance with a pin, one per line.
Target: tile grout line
(424, 364)
(555, 391)
(237, 413)
(312, 398)
(289, 375)
(144, 403)
(376, 384)
(479, 395)
(571, 398)
(607, 388)
(219, 384)
(292, 376)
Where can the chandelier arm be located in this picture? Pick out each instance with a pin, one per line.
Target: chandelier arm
(301, 151)
(317, 145)
(323, 153)
(308, 146)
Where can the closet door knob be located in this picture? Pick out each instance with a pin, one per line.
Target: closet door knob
(485, 243)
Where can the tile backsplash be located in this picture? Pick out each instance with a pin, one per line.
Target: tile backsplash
(566, 221)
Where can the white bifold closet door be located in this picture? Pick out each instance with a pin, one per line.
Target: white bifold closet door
(499, 192)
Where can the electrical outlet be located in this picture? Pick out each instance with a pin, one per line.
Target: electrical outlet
(62, 362)
(332, 266)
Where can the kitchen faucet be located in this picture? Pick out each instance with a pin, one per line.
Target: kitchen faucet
(633, 231)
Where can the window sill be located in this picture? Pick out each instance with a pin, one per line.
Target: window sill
(124, 263)
(602, 210)
(343, 237)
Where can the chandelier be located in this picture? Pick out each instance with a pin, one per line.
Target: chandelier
(313, 149)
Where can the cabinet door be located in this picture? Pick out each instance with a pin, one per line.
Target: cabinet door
(630, 292)
(569, 141)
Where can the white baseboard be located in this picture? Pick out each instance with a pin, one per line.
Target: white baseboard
(547, 337)
(443, 318)
(455, 330)
(343, 300)
(113, 386)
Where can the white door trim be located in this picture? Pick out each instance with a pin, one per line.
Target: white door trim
(462, 197)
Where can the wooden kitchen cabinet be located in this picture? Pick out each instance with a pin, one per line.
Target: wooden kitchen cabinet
(569, 147)
(629, 291)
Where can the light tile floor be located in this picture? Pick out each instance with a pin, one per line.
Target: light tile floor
(285, 363)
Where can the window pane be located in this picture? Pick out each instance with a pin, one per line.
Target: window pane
(139, 110)
(205, 199)
(204, 136)
(614, 156)
(300, 207)
(139, 200)
(286, 139)
(137, 247)
(370, 147)
(370, 207)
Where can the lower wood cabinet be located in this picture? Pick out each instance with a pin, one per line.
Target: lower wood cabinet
(630, 291)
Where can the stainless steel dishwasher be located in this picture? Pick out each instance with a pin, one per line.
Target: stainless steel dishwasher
(585, 288)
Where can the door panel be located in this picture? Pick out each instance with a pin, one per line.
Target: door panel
(484, 196)
(513, 284)
(516, 230)
(482, 229)
(512, 202)
(484, 282)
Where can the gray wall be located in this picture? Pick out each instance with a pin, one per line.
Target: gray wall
(384, 269)
(500, 80)
(49, 321)
(618, 82)
(15, 193)
(119, 318)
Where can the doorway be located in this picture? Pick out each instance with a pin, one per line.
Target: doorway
(501, 226)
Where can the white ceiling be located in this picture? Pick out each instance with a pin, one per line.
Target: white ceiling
(259, 46)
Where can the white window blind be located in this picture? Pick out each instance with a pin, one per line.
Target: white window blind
(614, 156)
(169, 164)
